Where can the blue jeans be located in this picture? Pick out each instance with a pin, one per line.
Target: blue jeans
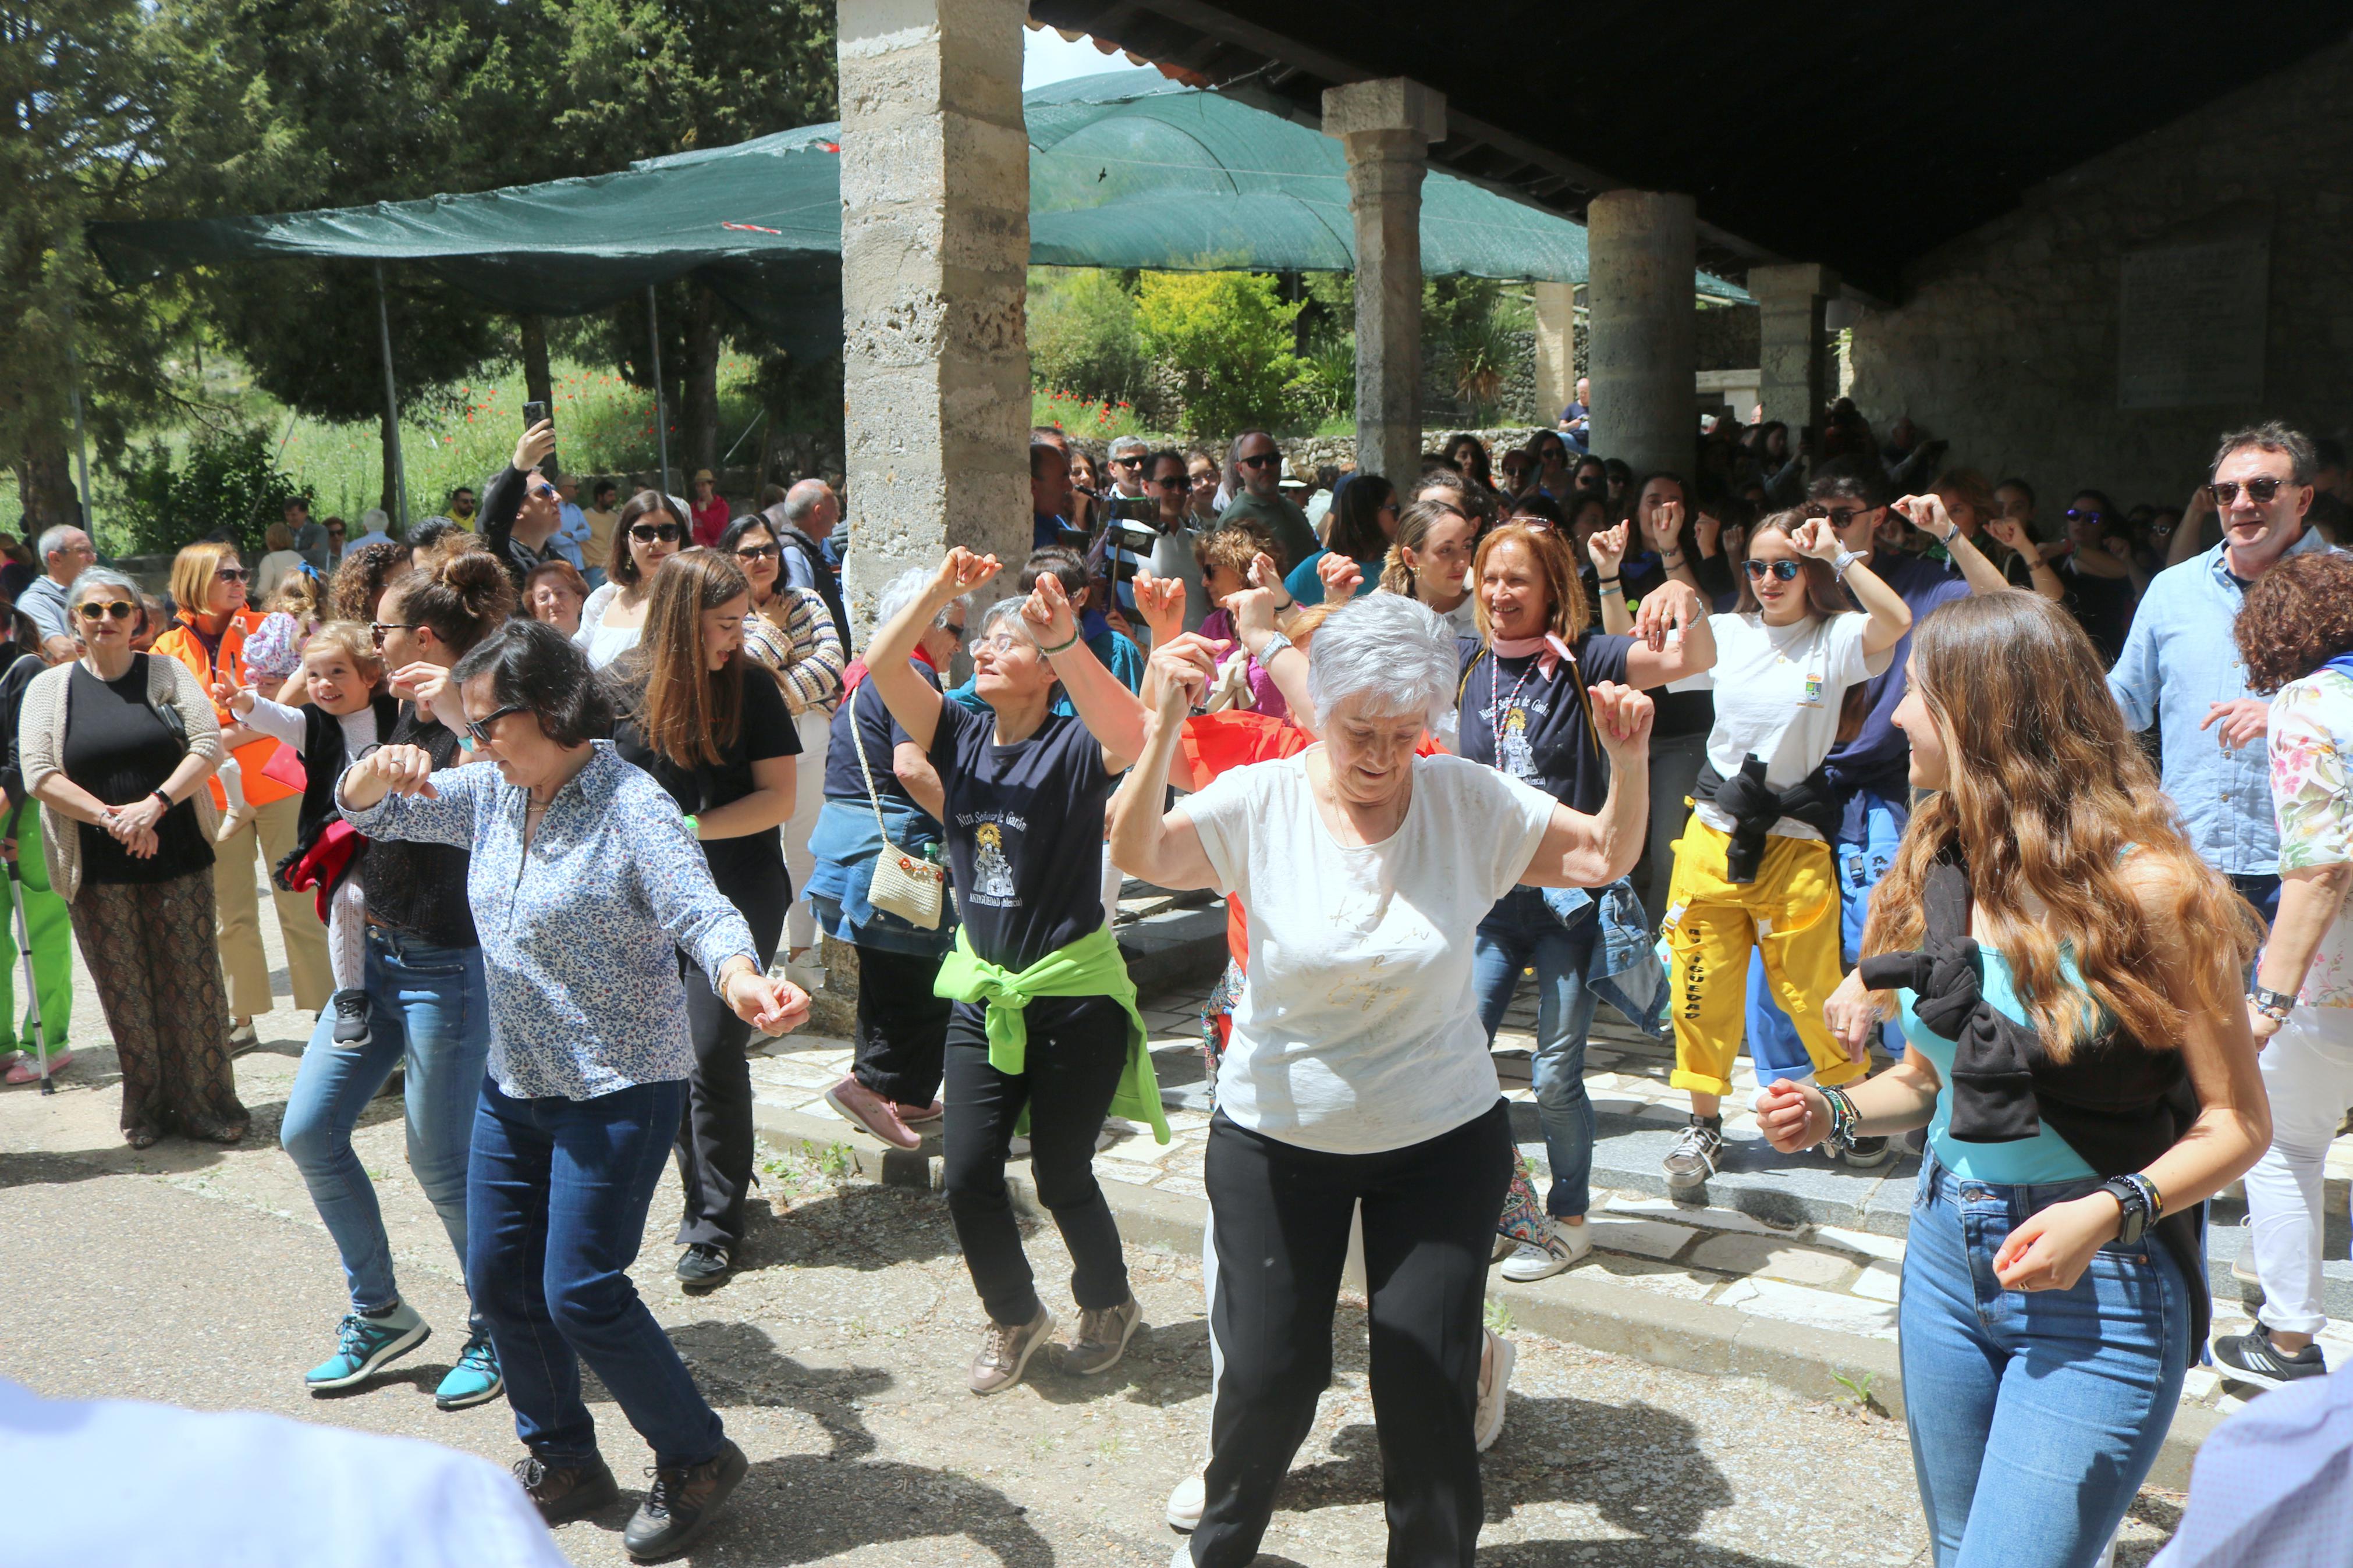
(1517, 932)
(2034, 1418)
(429, 1012)
(556, 1210)
(1774, 1048)
(2261, 888)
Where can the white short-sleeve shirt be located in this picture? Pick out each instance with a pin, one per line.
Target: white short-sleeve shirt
(1777, 691)
(1359, 1028)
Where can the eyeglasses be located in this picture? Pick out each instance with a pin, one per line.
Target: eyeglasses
(478, 733)
(1785, 569)
(231, 573)
(119, 609)
(647, 532)
(1002, 643)
(2226, 491)
(379, 630)
(1261, 461)
(756, 552)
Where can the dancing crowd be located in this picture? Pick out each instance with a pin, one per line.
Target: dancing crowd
(2027, 855)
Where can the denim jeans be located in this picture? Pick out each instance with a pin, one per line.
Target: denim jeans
(2261, 888)
(556, 1210)
(1520, 931)
(429, 1011)
(2034, 1418)
(1773, 1046)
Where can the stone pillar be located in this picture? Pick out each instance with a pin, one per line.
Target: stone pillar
(1387, 126)
(935, 260)
(1641, 353)
(1793, 366)
(1555, 349)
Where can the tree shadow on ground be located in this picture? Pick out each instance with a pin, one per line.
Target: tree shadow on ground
(171, 1156)
(806, 1508)
(1163, 1366)
(863, 1227)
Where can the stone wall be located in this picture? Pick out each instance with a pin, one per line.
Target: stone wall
(2006, 342)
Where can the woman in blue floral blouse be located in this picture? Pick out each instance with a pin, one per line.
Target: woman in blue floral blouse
(585, 885)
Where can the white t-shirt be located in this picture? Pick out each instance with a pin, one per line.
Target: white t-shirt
(1778, 690)
(1358, 1030)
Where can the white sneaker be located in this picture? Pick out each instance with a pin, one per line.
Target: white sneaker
(1494, 1384)
(1184, 1558)
(1542, 1259)
(1186, 1503)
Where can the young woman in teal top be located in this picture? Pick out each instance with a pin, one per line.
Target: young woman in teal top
(2090, 1080)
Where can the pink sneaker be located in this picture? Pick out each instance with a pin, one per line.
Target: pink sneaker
(861, 1106)
(916, 1115)
(28, 1066)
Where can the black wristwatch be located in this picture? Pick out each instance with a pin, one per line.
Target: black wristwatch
(2134, 1201)
(167, 800)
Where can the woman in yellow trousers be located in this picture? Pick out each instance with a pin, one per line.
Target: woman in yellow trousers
(1753, 868)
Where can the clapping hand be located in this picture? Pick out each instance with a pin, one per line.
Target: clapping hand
(1161, 602)
(1340, 574)
(1623, 717)
(1046, 615)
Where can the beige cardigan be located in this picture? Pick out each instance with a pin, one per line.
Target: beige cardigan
(41, 750)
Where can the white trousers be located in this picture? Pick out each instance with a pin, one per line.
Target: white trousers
(2308, 1075)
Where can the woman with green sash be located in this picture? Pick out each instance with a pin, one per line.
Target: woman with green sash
(1045, 1037)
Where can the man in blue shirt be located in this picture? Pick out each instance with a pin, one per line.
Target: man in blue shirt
(1871, 772)
(571, 530)
(1577, 419)
(1049, 499)
(2181, 667)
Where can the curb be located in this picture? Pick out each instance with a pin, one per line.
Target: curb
(1576, 1308)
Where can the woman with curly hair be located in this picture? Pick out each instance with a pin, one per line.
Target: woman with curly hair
(2067, 972)
(2295, 635)
(360, 581)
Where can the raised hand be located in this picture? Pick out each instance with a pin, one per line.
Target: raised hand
(1928, 514)
(1623, 717)
(1161, 602)
(534, 445)
(1816, 540)
(1186, 666)
(1608, 548)
(1264, 573)
(428, 686)
(1663, 525)
(1709, 531)
(1046, 615)
(1665, 612)
(960, 574)
(2012, 532)
(237, 699)
(1340, 574)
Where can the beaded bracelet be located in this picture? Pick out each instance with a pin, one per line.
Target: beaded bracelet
(1844, 1120)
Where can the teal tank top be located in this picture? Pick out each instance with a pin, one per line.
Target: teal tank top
(2029, 1161)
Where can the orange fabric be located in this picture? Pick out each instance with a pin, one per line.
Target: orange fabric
(1214, 743)
(182, 643)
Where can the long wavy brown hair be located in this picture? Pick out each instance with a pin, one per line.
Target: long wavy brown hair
(687, 711)
(2047, 799)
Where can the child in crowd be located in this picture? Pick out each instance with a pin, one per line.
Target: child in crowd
(1226, 554)
(273, 658)
(348, 711)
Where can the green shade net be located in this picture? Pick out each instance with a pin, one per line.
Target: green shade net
(1126, 169)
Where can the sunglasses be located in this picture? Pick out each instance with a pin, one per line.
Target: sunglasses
(231, 573)
(647, 532)
(2089, 514)
(478, 733)
(2226, 491)
(94, 613)
(1785, 569)
(1126, 462)
(1840, 516)
(379, 630)
(756, 551)
(1261, 461)
(955, 631)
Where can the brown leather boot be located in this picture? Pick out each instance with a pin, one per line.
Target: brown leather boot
(565, 1492)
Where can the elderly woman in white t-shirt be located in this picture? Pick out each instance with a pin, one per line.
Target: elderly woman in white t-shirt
(1358, 1070)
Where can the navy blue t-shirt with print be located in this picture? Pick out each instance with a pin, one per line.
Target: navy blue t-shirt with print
(1025, 828)
(1534, 728)
(872, 724)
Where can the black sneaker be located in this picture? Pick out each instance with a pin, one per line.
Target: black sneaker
(565, 1492)
(1693, 1158)
(2253, 1358)
(351, 1010)
(705, 1267)
(680, 1504)
(1868, 1153)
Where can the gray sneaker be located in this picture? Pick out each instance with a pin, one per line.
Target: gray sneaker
(1004, 1351)
(1693, 1158)
(1101, 1338)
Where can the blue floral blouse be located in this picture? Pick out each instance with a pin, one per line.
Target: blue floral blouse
(580, 935)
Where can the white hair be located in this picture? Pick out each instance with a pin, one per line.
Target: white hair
(900, 592)
(1393, 654)
(53, 542)
(1127, 444)
(94, 578)
(376, 520)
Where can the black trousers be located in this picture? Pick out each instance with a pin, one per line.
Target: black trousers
(1077, 1049)
(1279, 1220)
(902, 1027)
(714, 1136)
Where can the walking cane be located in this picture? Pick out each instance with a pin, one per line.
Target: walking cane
(25, 944)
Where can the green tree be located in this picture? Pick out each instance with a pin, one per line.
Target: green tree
(81, 141)
(1227, 338)
(1083, 336)
(229, 480)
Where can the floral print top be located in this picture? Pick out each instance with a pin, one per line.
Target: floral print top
(2311, 727)
(581, 934)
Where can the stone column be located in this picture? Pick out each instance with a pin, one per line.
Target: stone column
(1555, 349)
(1792, 365)
(1387, 126)
(1641, 351)
(934, 259)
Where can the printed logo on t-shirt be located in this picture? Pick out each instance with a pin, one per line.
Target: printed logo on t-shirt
(991, 870)
(1514, 752)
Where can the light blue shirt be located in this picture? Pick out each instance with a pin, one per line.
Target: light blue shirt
(571, 534)
(2178, 661)
(580, 935)
(2029, 1161)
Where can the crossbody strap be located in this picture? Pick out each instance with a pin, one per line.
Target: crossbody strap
(858, 740)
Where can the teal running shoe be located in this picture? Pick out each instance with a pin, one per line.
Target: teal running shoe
(367, 1344)
(475, 1380)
